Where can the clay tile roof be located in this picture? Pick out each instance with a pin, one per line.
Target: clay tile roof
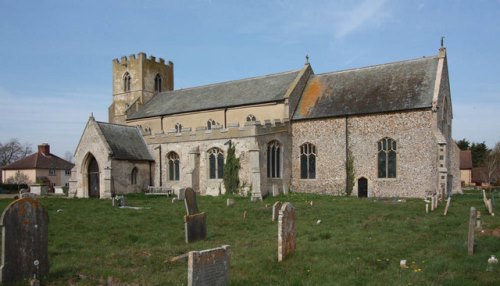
(126, 142)
(256, 90)
(465, 159)
(40, 161)
(389, 87)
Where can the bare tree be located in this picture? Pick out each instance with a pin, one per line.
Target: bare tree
(19, 179)
(491, 165)
(13, 151)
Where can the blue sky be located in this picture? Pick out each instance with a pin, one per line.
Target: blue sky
(55, 56)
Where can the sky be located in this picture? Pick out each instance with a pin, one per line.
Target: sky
(55, 56)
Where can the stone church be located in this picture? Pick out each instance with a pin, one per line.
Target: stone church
(378, 131)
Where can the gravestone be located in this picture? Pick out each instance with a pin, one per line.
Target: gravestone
(24, 226)
(286, 231)
(230, 202)
(276, 210)
(472, 226)
(209, 267)
(195, 223)
(447, 205)
(195, 227)
(58, 190)
(190, 201)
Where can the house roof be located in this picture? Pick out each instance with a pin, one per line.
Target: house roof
(389, 87)
(465, 159)
(40, 160)
(256, 90)
(126, 142)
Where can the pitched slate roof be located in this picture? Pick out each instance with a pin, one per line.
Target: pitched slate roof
(465, 159)
(40, 161)
(126, 142)
(383, 88)
(256, 90)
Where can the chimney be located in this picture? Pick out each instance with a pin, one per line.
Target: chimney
(44, 149)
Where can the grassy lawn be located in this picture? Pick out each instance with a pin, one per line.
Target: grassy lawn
(358, 242)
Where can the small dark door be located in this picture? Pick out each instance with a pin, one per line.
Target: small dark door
(93, 172)
(362, 187)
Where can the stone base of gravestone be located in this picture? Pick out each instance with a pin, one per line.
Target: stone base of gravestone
(209, 267)
(195, 227)
(286, 231)
(276, 210)
(25, 241)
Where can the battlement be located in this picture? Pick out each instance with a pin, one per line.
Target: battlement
(141, 56)
(233, 130)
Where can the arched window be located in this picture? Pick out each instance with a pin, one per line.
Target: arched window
(251, 118)
(158, 82)
(173, 166)
(133, 176)
(126, 81)
(387, 158)
(307, 161)
(178, 128)
(216, 163)
(274, 159)
(210, 124)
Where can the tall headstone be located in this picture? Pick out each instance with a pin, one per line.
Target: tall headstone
(472, 226)
(276, 210)
(209, 267)
(286, 231)
(195, 223)
(25, 225)
(190, 201)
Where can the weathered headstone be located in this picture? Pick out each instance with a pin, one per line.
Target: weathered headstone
(276, 210)
(472, 225)
(230, 202)
(190, 201)
(25, 225)
(58, 190)
(286, 231)
(209, 267)
(478, 221)
(195, 227)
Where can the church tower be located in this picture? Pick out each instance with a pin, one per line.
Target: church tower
(136, 80)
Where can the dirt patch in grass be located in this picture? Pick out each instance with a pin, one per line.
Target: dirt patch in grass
(491, 232)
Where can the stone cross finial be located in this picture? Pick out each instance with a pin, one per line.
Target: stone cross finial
(442, 41)
(307, 59)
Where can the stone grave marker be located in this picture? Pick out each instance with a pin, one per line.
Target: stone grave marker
(472, 226)
(195, 227)
(181, 194)
(209, 267)
(190, 201)
(195, 223)
(230, 202)
(447, 205)
(25, 225)
(276, 210)
(286, 231)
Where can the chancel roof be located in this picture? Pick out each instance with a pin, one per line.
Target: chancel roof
(383, 88)
(126, 142)
(249, 91)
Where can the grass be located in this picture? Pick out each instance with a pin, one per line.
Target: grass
(358, 242)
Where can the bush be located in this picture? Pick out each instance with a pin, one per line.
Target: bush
(12, 188)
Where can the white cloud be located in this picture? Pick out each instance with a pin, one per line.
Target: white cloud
(366, 14)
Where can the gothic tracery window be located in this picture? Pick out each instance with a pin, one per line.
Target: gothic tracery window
(216, 163)
(158, 82)
(274, 159)
(251, 118)
(126, 81)
(210, 124)
(387, 158)
(178, 128)
(173, 166)
(307, 161)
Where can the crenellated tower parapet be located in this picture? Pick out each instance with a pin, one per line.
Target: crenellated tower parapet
(137, 79)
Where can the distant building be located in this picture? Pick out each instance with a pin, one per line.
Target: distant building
(293, 131)
(41, 166)
(466, 167)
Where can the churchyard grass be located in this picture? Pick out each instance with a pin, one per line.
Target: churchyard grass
(357, 242)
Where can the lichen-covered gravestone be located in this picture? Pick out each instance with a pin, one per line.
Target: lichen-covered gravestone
(25, 225)
(195, 223)
(286, 231)
(276, 210)
(209, 267)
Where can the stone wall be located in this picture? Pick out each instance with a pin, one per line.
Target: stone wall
(121, 172)
(416, 153)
